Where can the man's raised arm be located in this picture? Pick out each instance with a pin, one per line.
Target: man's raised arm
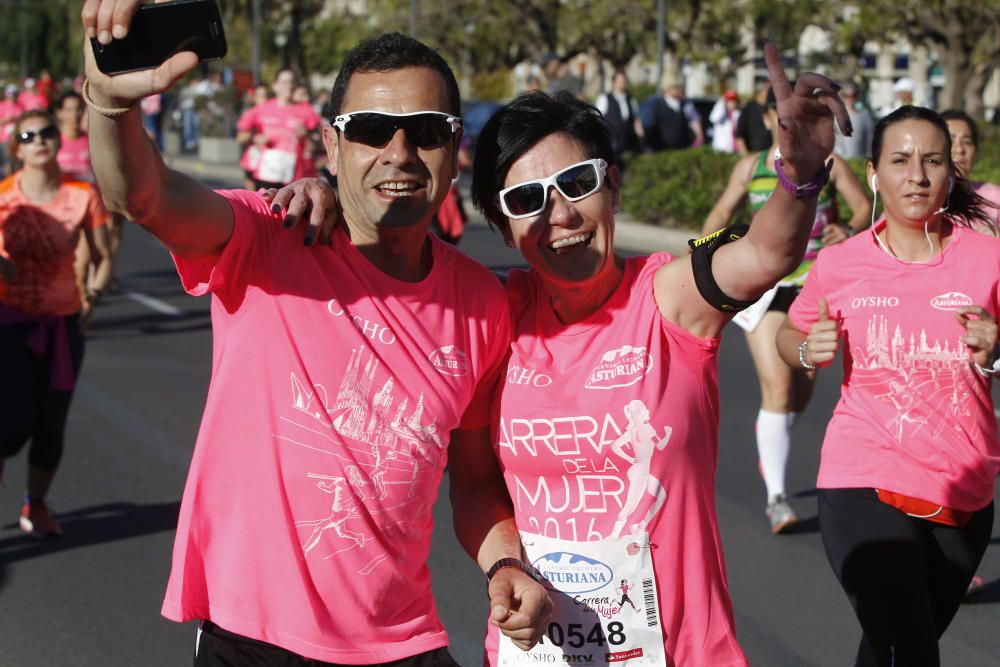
(187, 217)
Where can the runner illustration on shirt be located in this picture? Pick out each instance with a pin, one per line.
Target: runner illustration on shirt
(643, 438)
(625, 588)
(343, 508)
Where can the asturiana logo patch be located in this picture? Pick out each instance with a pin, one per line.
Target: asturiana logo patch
(450, 360)
(572, 573)
(951, 301)
(620, 368)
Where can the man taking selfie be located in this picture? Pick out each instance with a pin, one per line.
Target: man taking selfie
(344, 377)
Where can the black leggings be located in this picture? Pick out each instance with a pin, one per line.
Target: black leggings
(30, 409)
(905, 577)
(217, 647)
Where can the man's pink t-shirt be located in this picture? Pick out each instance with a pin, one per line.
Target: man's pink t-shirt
(283, 127)
(306, 519)
(74, 158)
(571, 392)
(914, 417)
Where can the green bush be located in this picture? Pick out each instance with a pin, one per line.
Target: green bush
(676, 188)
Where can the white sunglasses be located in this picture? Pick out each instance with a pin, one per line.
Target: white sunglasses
(424, 129)
(574, 183)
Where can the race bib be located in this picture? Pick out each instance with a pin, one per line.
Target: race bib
(276, 166)
(606, 609)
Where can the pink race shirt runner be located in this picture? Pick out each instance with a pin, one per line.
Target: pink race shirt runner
(609, 426)
(283, 127)
(914, 416)
(306, 519)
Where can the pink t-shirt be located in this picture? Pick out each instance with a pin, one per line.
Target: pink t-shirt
(283, 126)
(9, 111)
(41, 240)
(306, 519)
(914, 416)
(74, 158)
(625, 374)
(29, 100)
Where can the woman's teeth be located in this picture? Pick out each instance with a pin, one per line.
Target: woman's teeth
(570, 241)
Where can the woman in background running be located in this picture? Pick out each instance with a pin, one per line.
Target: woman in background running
(784, 393)
(911, 454)
(43, 214)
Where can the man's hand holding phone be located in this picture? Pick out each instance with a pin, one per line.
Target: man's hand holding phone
(156, 56)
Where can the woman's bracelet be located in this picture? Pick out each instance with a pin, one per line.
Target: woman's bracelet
(803, 348)
(107, 112)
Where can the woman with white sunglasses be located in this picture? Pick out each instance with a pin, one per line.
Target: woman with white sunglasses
(43, 299)
(607, 421)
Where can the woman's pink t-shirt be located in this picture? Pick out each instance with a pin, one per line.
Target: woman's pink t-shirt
(284, 128)
(571, 392)
(914, 416)
(306, 519)
(74, 158)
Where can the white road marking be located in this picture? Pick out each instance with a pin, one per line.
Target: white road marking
(155, 304)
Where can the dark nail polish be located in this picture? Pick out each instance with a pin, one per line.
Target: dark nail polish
(289, 221)
(275, 208)
(308, 241)
(836, 86)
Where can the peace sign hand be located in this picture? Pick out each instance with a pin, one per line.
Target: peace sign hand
(805, 118)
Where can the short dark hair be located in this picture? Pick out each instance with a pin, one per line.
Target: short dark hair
(957, 114)
(965, 207)
(516, 127)
(387, 52)
(65, 95)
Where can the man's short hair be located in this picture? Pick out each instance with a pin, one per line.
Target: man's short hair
(385, 53)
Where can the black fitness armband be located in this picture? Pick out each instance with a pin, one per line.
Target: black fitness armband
(701, 262)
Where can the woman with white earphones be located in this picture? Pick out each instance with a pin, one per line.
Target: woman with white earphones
(911, 453)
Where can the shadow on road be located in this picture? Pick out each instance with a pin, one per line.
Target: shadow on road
(89, 526)
(149, 324)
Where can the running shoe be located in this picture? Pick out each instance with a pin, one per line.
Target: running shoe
(780, 514)
(976, 586)
(37, 520)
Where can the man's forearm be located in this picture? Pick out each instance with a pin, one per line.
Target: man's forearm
(485, 527)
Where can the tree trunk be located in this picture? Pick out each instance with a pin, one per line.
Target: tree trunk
(974, 89)
(957, 74)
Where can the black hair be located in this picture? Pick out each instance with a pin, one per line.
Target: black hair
(385, 53)
(956, 114)
(521, 124)
(65, 95)
(965, 207)
(295, 75)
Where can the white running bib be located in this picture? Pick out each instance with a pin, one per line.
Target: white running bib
(606, 608)
(276, 166)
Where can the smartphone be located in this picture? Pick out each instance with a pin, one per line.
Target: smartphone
(161, 30)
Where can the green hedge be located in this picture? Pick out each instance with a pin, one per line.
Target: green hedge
(679, 188)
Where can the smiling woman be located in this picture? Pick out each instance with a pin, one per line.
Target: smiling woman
(601, 469)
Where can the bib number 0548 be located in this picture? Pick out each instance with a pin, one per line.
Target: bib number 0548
(573, 636)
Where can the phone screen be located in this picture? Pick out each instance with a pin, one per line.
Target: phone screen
(161, 30)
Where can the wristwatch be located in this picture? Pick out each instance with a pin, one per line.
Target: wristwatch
(807, 190)
(517, 563)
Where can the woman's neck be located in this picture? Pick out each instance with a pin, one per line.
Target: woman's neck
(575, 303)
(41, 184)
(70, 131)
(916, 244)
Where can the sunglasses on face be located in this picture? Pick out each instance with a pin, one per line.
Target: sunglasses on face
(424, 129)
(574, 183)
(47, 133)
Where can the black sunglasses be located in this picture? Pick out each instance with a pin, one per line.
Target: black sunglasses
(424, 129)
(47, 133)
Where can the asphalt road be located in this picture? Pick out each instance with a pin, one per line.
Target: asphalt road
(93, 596)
